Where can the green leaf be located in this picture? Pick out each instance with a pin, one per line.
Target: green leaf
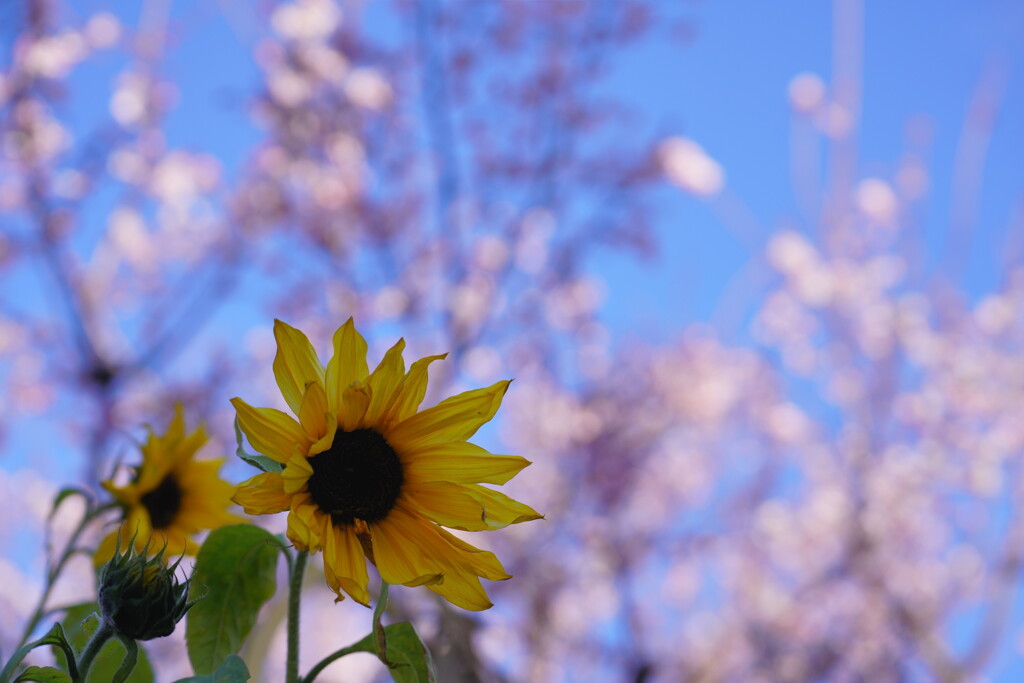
(55, 637)
(410, 660)
(80, 621)
(231, 670)
(261, 462)
(44, 674)
(235, 570)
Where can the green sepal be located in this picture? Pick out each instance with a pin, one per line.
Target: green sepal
(260, 462)
(231, 670)
(236, 571)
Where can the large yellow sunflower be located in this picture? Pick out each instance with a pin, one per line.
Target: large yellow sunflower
(366, 475)
(171, 497)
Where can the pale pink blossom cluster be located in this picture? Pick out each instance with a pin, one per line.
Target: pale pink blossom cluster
(829, 493)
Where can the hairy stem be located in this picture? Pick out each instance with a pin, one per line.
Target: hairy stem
(294, 601)
(99, 639)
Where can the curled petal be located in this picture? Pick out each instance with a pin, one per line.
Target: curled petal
(271, 432)
(311, 413)
(306, 524)
(327, 440)
(263, 494)
(345, 565)
(295, 474)
(354, 402)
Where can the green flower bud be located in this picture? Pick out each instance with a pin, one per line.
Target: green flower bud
(141, 598)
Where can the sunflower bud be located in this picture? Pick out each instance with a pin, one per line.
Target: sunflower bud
(141, 598)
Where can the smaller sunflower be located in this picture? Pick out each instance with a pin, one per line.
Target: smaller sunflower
(172, 496)
(367, 474)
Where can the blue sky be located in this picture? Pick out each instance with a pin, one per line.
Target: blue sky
(727, 90)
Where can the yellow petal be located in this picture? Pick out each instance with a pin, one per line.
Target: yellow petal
(295, 364)
(156, 464)
(446, 503)
(345, 564)
(460, 562)
(195, 517)
(463, 564)
(327, 440)
(137, 525)
(184, 449)
(481, 562)
(311, 413)
(295, 474)
(398, 553)
(347, 365)
(173, 541)
(126, 495)
(176, 429)
(501, 510)
(467, 507)
(271, 432)
(462, 463)
(305, 526)
(453, 419)
(383, 381)
(105, 551)
(409, 393)
(463, 589)
(263, 494)
(354, 401)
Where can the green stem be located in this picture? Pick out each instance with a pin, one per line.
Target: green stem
(99, 639)
(55, 570)
(379, 637)
(376, 642)
(131, 657)
(326, 661)
(294, 602)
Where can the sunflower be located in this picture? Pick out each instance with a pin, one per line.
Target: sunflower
(171, 497)
(366, 475)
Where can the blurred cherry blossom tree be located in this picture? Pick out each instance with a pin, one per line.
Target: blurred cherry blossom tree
(829, 494)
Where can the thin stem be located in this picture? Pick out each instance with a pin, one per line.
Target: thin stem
(379, 637)
(96, 643)
(326, 661)
(294, 601)
(54, 572)
(131, 657)
(375, 642)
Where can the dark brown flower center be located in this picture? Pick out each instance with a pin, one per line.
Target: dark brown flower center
(359, 477)
(163, 502)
